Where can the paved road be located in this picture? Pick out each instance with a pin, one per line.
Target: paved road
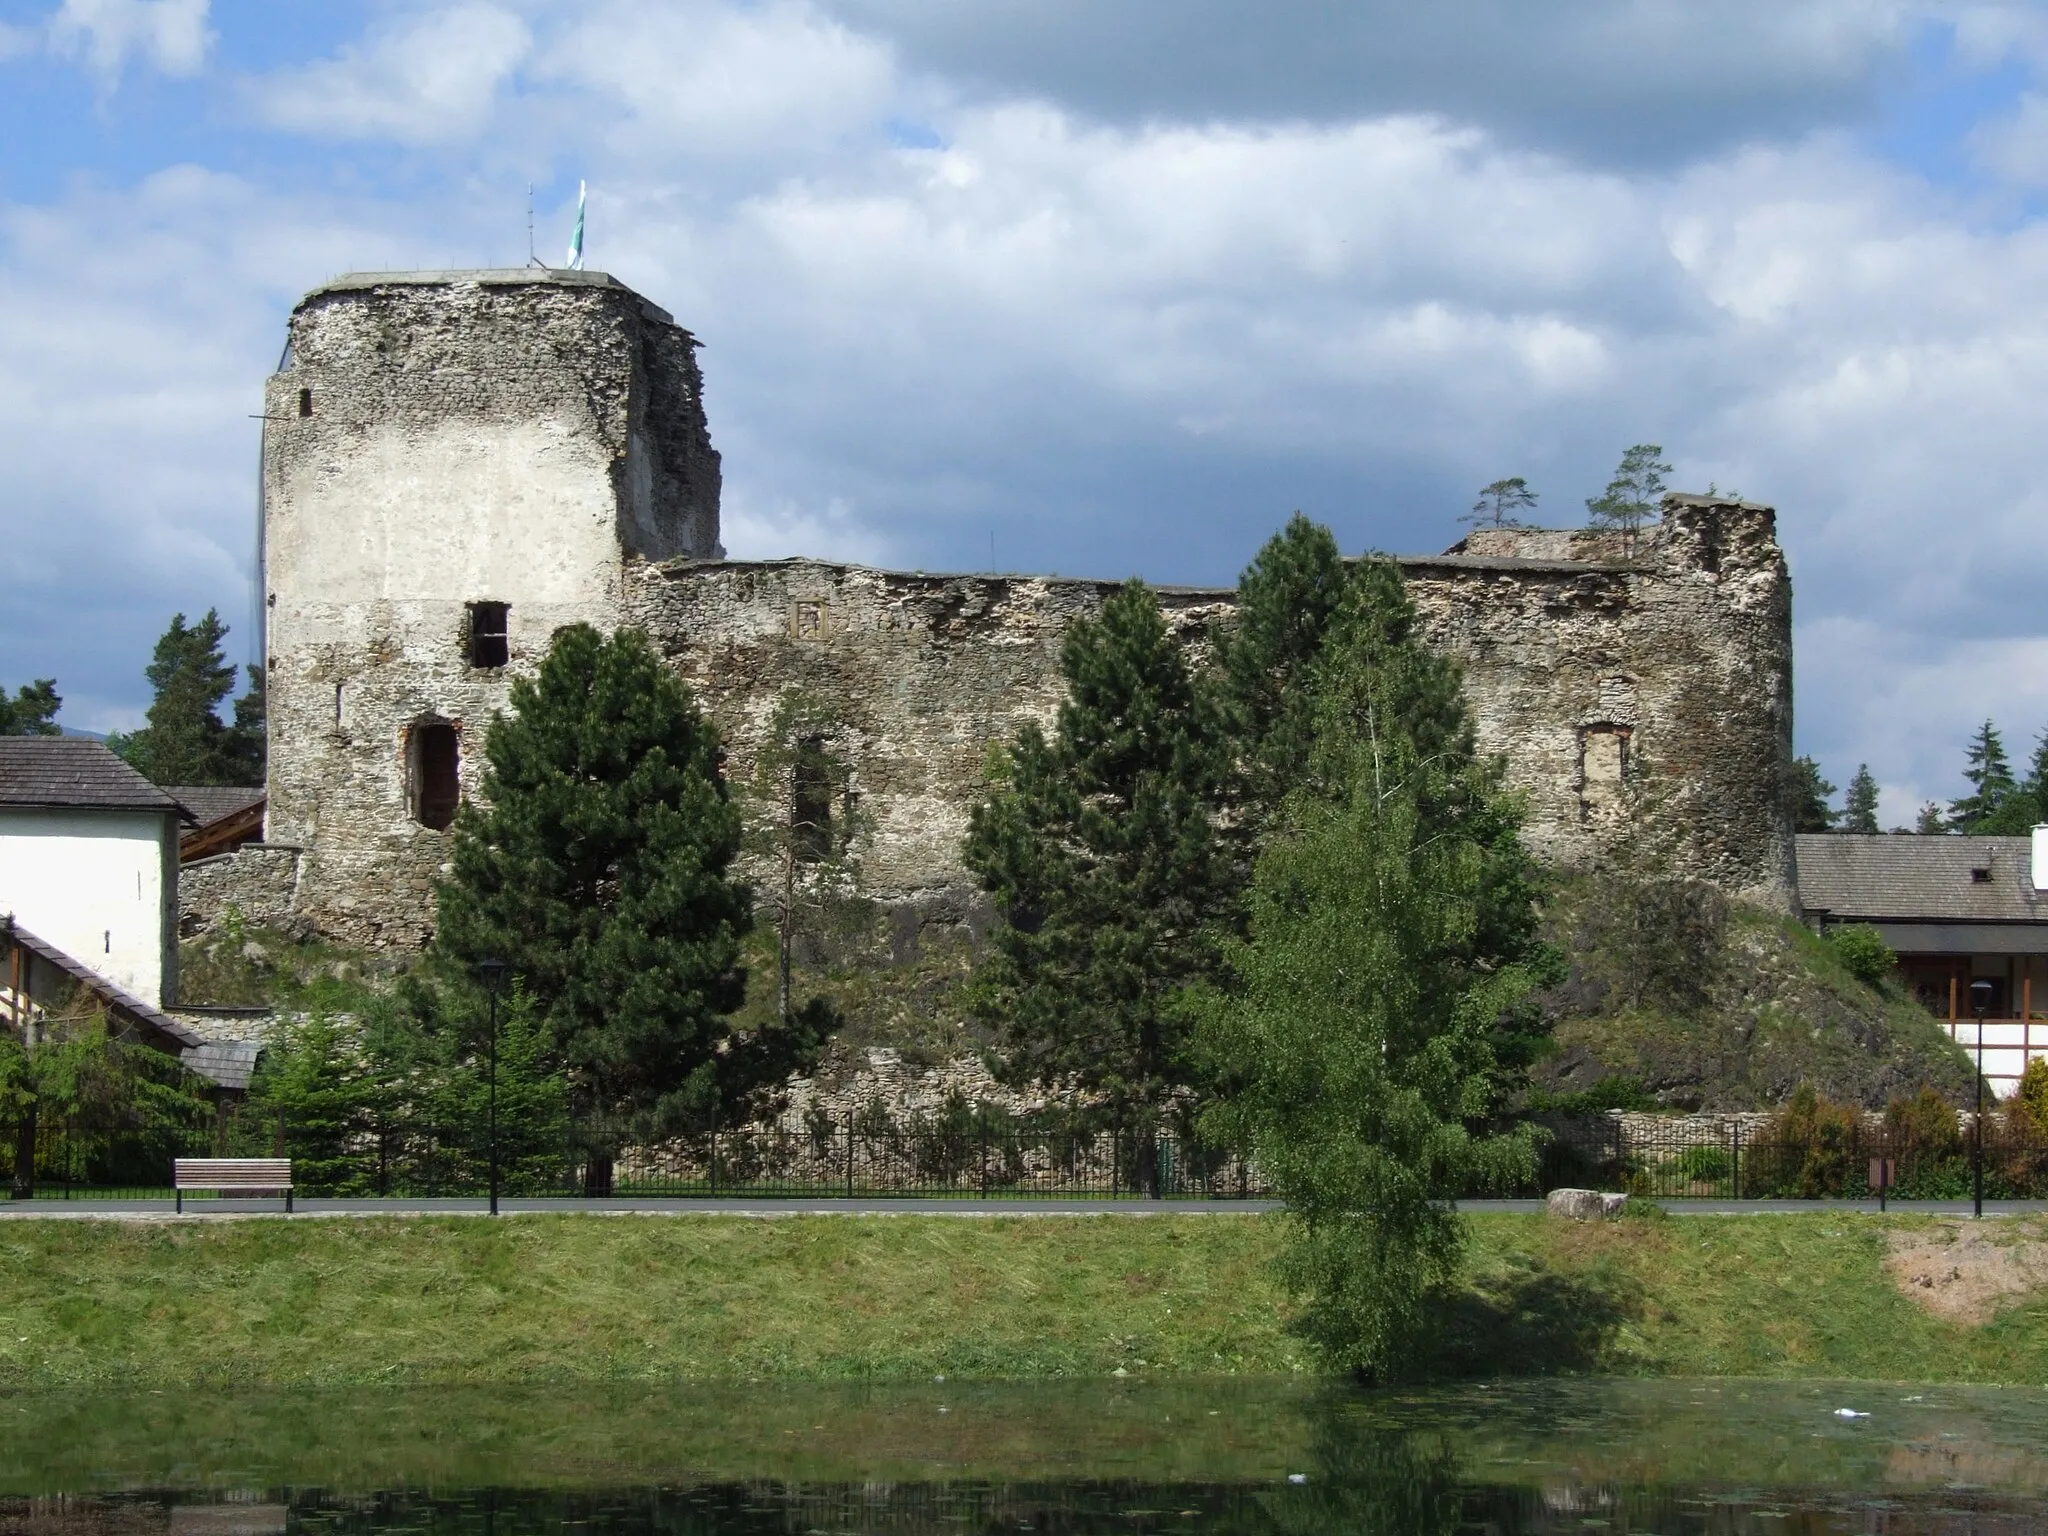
(312, 1209)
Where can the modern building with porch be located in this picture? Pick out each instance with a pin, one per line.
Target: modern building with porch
(1956, 910)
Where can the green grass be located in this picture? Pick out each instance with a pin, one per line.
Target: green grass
(625, 1299)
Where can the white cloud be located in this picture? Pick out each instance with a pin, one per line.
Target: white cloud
(2015, 147)
(705, 80)
(433, 79)
(1121, 343)
(136, 327)
(171, 34)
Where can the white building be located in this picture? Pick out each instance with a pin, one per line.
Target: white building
(89, 860)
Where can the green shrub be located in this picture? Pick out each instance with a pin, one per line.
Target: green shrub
(1863, 952)
(1614, 1091)
(1704, 1165)
(1808, 1150)
(1923, 1128)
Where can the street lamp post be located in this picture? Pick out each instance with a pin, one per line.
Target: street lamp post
(1980, 1004)
(493, 974)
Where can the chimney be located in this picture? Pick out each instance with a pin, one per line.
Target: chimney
(2041, 858)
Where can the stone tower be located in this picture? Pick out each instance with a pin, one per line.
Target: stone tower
(455, 465)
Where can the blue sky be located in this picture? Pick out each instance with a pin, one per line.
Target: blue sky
(1116, 286)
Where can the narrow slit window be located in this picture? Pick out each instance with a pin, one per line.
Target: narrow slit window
(810, 811)
(489, 642)
(305, 402)
(433, 774)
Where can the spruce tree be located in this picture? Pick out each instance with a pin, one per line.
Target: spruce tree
(2026, 805)
(1284, 602)
(1859, 810)
(32, 711)
(184, 740)
(1991, 781)
(595, 865)
(1102, 858)
(1379, 1013)
(1809, 794)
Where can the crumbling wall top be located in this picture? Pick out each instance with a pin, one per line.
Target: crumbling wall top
(486, 277)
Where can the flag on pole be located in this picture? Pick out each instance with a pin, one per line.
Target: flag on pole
(576, 239)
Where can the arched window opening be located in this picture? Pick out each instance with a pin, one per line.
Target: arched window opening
(433, 776)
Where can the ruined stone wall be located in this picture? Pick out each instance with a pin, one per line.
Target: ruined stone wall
(538, 439)
(433, 441)
(1603, 677)
(925, 672)
(1656, 678)
(258, 880)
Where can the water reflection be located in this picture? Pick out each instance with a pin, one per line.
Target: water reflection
(1260, 1459)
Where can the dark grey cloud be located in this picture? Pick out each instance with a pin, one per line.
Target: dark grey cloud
(1634, 83)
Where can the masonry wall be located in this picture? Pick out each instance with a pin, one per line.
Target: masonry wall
(1654, 680)
(433, 441)
(1664, 681)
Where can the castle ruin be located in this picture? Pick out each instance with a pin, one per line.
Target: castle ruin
(458, 463)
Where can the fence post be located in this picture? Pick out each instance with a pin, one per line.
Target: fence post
(849, 1154)
(714, 1162)
(984, 1162)
(1735, 1161)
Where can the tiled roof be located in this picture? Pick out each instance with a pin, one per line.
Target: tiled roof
(1901, 877)
(225, 1062)
(229, 1063)
(210, 803)
(74, 771)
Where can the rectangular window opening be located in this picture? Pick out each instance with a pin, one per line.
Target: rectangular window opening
(810, 811)
(305, 402)
(489, 645)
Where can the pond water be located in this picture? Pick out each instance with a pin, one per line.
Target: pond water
(1587, 1457)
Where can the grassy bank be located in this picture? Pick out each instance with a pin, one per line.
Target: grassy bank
(647, 1299)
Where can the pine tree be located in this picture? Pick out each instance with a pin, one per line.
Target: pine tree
(1809, 794)
(595, 865)
(1991, 781)
(1499, 502)
(1859, 810)
(1931, 820)
(32, 711)
(1380, 1011)
(184, 740)
(1633, 496)
(1103, 861)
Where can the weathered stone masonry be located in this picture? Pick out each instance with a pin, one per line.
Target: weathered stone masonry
(434, 442)
(1579, 671)
(538, 440)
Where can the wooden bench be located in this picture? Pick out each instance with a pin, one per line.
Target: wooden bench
(233, 1176)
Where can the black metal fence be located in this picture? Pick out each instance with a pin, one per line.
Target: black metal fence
(1846, 1162)
(990, 1159)
(823, 1159)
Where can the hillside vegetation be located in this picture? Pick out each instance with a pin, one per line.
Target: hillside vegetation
(1709, 1004)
